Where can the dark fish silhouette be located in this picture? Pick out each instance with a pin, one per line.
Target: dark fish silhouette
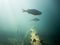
(35, 19)
(32, 11)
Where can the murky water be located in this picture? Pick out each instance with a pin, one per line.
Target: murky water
(14, 24)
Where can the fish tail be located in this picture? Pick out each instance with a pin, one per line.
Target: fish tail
(23, 10)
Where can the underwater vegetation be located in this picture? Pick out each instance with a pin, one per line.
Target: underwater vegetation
(13, 41)
(32, 38)
(10, 41)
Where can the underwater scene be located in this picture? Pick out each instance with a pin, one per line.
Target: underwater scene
(29, 22)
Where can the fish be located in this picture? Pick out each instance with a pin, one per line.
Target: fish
(36, 19)
(32, 11)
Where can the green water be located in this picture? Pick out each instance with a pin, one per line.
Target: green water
(14, 23)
